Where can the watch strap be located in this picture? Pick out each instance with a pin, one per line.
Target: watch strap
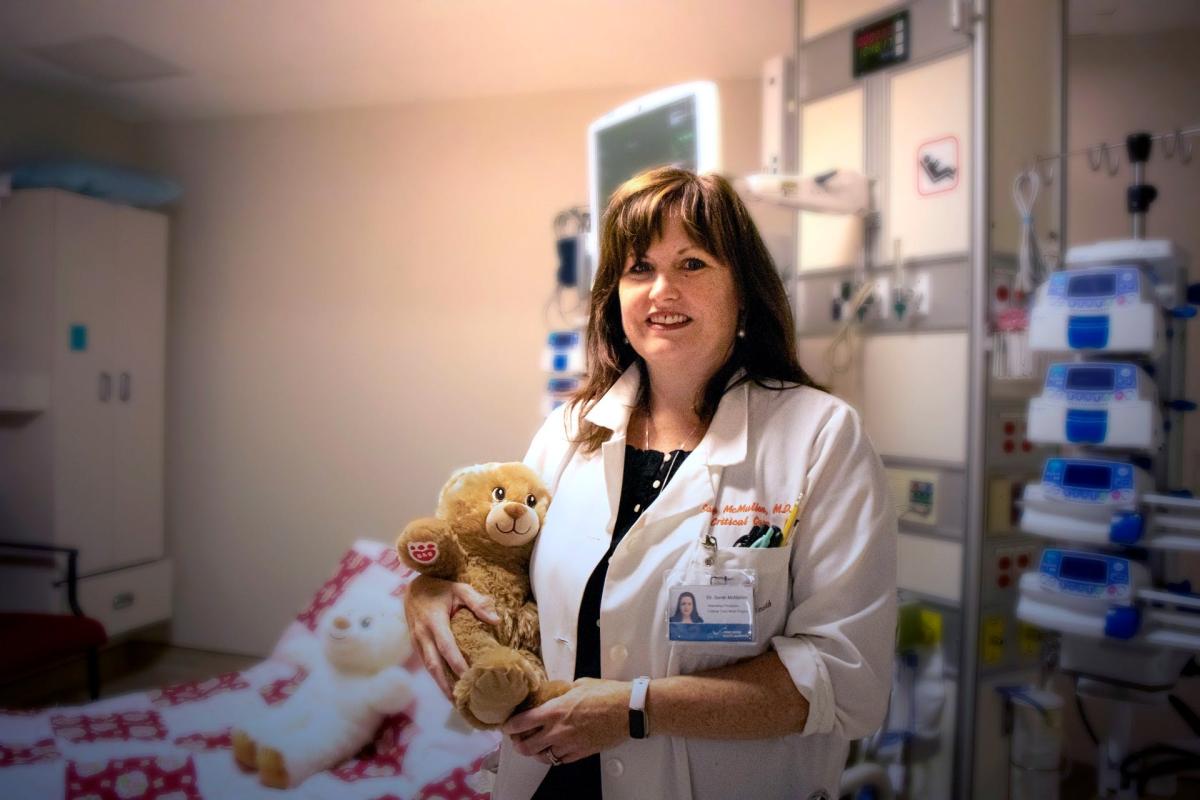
(639, 722)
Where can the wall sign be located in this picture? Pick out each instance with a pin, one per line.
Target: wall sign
(937, 165)
(881, 44)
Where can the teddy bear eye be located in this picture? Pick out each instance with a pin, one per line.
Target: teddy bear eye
(498, 493)
(366, 622)
(531, 501)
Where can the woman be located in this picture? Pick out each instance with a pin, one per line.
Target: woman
(685, 609)
(695, 424)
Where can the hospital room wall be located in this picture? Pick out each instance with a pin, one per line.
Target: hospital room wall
(1116, 85)
(356, 308)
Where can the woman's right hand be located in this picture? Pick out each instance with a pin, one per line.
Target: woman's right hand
(428, 607)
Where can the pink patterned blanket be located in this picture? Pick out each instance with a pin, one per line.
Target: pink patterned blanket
(173, 743)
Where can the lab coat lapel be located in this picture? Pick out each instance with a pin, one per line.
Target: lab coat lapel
(612, 411)
(698, 479)
(613, 455)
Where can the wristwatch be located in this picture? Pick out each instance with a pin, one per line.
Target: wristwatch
(639, 723)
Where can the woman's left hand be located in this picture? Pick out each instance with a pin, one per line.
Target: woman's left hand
(592, 716)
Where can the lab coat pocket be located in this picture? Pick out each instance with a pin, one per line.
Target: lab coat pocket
(771, 594)
(772, 587)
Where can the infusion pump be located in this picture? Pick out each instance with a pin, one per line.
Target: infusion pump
(1109, 404)
(1109, 309)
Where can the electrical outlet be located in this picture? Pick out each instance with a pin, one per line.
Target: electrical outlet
(1005, 573)
(882, 307)
(1026, 558)
(921, 300)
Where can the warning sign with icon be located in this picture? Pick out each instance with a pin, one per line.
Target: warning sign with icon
(937, 166)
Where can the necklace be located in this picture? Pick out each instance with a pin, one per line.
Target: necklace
(660, 483)
(674, 453)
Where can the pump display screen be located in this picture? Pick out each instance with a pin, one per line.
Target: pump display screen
(1097, 379)
(1087, 476)
(1100, 285)
(1089, 570)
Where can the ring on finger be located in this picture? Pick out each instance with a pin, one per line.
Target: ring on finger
(554, 760)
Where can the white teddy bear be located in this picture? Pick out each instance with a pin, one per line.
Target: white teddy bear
(355, 680)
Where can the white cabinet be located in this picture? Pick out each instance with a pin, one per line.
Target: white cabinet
(82, 351)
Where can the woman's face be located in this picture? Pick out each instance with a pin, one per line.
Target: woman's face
(685, 606)
(679, 304)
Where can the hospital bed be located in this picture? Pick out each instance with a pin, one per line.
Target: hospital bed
(174, 741)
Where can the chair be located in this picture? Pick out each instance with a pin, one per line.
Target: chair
(32, 641)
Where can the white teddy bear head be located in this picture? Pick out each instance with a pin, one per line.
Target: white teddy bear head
(362, 637)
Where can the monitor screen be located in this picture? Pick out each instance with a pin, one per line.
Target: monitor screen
(1090, 570)
(1102, 284)
(1097, 379)
(660, 136)
(676, 126)
(1087, 476)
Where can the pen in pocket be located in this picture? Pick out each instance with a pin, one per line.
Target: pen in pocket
(761, 536)
(770, 538)
(747, 539)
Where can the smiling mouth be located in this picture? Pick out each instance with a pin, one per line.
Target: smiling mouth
(513, 529)
(667, 322)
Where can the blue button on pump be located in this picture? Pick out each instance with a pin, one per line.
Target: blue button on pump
(1087, 332)
(1126, 527)
(1086, 426)
(1122, 622)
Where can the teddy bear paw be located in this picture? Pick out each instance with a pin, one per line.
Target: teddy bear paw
(493, 687)
(425, 546)
(245, 751)
(272, 771)
(424, 553)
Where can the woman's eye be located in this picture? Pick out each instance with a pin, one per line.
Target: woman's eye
(498, 494)
(693, 264)
(531, 501)
(640, 268)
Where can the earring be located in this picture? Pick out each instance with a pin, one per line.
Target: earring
(625, 339)
(741, 333)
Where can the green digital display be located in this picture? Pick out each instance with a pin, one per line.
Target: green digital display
(881, 44)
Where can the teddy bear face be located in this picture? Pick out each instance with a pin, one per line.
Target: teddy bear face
(362, 639)
(507, 501)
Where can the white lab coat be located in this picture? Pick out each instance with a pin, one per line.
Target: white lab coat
(826, 603)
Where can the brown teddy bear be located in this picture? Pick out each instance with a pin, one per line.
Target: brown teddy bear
(487, 518)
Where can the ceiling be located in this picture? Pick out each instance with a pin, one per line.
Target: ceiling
(188, 59)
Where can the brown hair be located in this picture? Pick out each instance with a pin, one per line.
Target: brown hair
(713, 217)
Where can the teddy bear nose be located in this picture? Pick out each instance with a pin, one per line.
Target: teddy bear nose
(514, 510)
(341, 623)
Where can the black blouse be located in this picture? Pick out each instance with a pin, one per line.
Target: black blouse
(646, 474)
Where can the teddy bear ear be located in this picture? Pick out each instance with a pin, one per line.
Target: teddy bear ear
(459, 476)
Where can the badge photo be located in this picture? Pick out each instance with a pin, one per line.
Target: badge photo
(711, 613)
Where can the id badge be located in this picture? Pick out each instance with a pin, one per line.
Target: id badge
(717, 609)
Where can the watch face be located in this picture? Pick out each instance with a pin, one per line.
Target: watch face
(637, 724)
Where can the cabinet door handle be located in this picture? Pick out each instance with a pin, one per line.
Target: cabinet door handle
(125, 387)
(105, 387)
